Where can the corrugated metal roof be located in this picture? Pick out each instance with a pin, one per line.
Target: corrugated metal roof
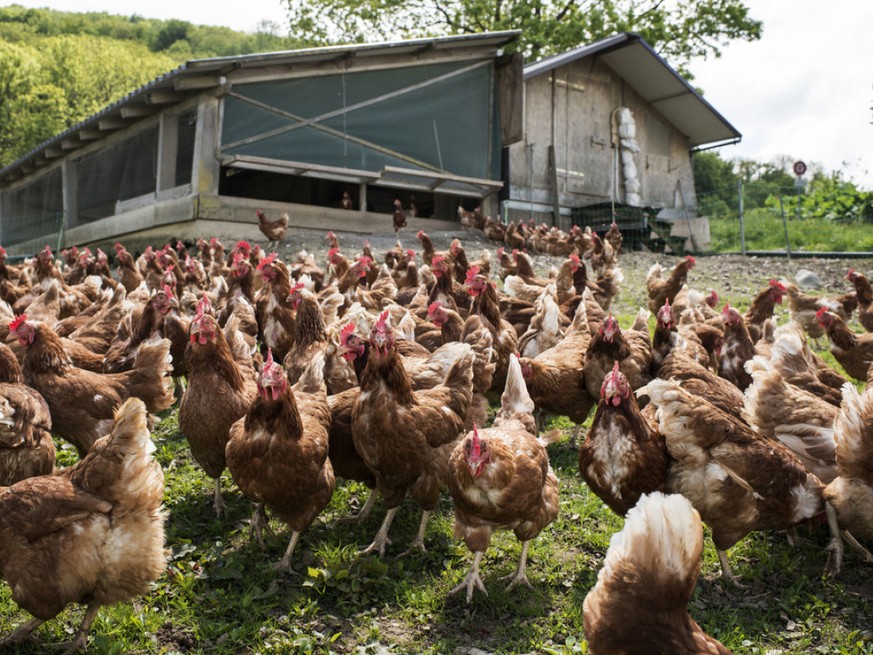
(221, 65)
(656, 81)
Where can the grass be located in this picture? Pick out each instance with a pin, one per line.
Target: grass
(764, 230)
(220, 595)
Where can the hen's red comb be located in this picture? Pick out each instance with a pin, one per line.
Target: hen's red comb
(332, 252)
(472, 272)
(242, 245)
(574, 258)
(17, 321)
(435, 305)
(168, 290)
(296, 287)
(382, 322)
(346, 332)
(690, 260)
(776, 284)
(821, 312)
(269, 259)
(436, 259)
(204, 306)
(269, 363)
(475, 448)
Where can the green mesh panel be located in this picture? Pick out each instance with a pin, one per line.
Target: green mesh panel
(447, 124)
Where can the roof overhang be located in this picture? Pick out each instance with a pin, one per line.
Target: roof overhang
(201, 75)
(634, 60)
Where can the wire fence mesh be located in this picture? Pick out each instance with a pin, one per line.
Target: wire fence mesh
(47, 226)
(766, 217)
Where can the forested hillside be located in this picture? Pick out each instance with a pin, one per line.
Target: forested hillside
(58, 68)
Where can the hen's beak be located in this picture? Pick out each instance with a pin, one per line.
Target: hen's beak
(380, 342)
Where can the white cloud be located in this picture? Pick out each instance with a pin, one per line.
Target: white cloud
(805, 89)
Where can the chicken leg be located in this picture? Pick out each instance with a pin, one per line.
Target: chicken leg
(259, 524)
(381, 539)
(418, 542)
(80, 641)
(726, 572)
(472, 581)
(520, 577)
(285, 563)
(217, 500)
(21, 633)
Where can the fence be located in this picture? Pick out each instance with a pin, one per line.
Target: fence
(640, 226)
(48, 226)
(768, 218)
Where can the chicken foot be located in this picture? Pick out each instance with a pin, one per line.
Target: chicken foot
(472, 581)
(519, 577)
(259, 524)
(21, 633)
(80, 641)
(866, 555)
(726, 572)
(285, 563)
(365, 510)
(381, 539)
(418, 542)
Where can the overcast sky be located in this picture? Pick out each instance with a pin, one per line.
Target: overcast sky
(804, 90)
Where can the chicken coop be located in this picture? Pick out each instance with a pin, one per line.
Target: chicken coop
(423, 121)
(611, 124)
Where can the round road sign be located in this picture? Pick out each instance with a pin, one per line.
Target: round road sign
(799, 168)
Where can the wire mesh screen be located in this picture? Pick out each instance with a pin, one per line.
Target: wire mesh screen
(32, 210)
(47, 226)
(640, 226)
(763, 217)
(437, 116)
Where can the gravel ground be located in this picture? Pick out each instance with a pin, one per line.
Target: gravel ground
(736, 278)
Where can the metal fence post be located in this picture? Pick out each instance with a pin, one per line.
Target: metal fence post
(742, 218)
(785, 226)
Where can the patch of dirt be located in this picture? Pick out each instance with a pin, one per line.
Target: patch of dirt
(175, 639)
(735, 278)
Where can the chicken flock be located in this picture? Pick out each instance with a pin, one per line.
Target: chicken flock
(295, 374)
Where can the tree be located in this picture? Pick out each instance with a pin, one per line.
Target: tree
(715, 182)
(680, 30)
(51, 86)
(172, 31)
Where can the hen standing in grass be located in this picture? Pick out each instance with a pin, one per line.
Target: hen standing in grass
(219, 392)
(624, 455)
(404, 436)
(660, 289)
(853, 351)
(737, 480)
(92, 533)
(277, 453)
(82, 403)
(500, 478)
